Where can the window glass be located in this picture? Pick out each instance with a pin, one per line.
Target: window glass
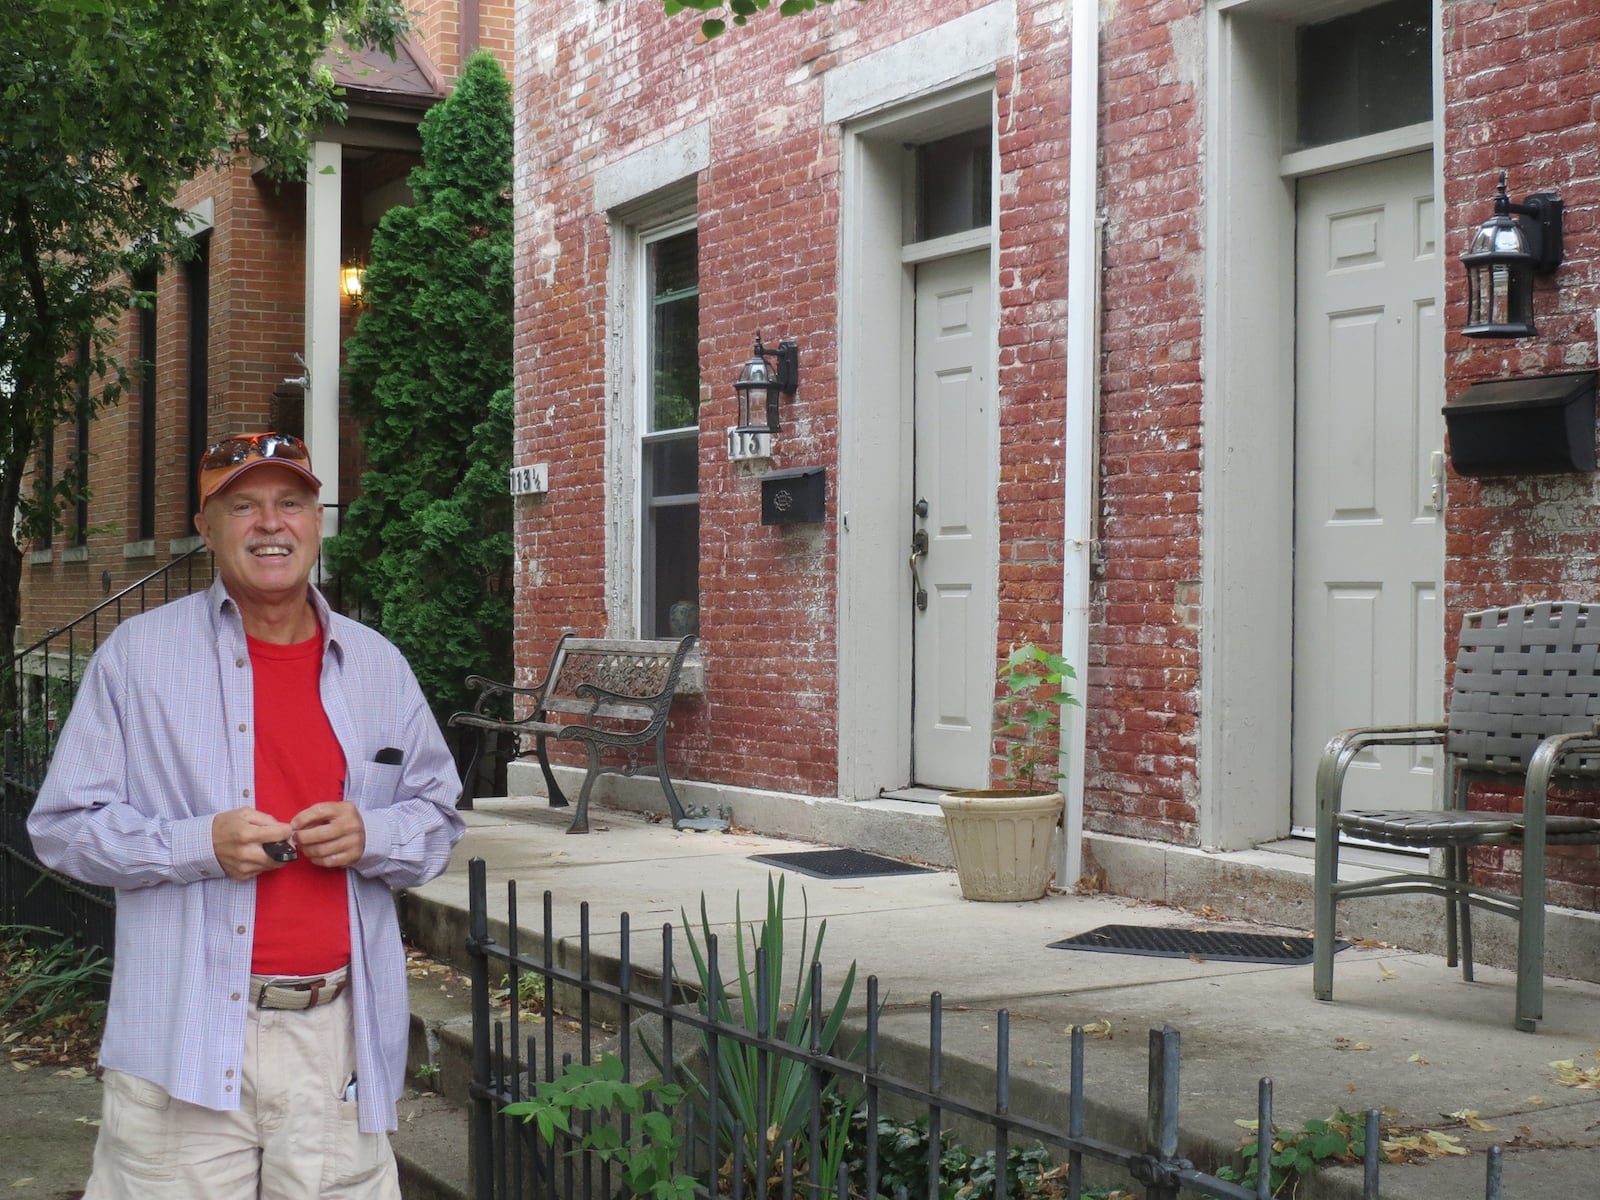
(669, 490)
(953, 184)
(674, 333)
(1365, 72)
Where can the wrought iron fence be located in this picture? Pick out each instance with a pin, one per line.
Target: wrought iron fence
(667, 1014)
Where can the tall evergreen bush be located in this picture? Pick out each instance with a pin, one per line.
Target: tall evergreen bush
(426, 549)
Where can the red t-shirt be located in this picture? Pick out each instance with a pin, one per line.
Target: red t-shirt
(302, 910)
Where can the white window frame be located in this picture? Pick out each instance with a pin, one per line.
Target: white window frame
(642, 317)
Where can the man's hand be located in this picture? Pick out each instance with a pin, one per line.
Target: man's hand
(237, 837)
(331, 834)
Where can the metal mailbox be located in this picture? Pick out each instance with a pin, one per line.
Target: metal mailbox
(788, 497)
(1537, 425)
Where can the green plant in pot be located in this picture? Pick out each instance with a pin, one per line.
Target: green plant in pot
(1001, 837)
(1032, 688)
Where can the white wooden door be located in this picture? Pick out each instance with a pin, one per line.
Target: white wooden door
(1369, 438)
(953, 504)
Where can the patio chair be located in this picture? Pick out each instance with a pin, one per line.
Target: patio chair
(1524, 707)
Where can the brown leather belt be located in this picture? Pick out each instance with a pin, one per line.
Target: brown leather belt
(297, 991)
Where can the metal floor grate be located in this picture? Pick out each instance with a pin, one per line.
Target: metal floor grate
(1210, 944)
(839, 864)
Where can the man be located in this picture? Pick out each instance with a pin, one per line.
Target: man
(254, 774)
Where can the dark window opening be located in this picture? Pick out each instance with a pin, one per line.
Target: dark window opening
(954, 184)
(197, 271)
(145, 490)
(1365, 73)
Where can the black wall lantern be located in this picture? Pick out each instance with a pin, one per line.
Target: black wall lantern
(1501, 262)
(759, 386)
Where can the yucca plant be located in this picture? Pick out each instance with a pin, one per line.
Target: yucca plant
(766, 1120)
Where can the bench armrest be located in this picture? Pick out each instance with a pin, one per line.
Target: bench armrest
(491, 690)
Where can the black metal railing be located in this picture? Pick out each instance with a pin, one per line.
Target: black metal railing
(668, 1015)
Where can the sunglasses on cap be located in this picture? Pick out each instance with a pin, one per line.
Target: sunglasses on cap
(230, 452)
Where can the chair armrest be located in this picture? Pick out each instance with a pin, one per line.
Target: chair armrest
(1542, 766)
(1342, 748)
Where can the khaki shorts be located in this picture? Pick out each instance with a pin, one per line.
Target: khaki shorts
(294, 1137)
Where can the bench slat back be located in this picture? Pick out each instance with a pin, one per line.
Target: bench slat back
(639, 668)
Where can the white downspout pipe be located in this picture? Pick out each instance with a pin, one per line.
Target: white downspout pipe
(1081, 430)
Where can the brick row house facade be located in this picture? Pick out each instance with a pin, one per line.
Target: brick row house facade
(1143, 314)
(248, 335)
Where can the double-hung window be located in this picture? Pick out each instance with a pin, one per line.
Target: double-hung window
(669, 465)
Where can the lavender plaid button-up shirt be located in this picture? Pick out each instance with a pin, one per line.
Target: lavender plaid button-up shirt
(159, 740)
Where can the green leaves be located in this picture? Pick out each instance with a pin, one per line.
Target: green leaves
(646, 1152)
(427, 545)
(1027, 707)
(740, 10)
(1341, 1137)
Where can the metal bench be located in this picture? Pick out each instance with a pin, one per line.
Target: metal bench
(605, 694)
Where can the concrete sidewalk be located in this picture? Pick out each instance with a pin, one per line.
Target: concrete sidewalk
(1404, 1033)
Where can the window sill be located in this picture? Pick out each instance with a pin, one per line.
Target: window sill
(144, 549)
(75, 554)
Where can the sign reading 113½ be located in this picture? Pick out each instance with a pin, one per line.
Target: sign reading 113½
(531, 479)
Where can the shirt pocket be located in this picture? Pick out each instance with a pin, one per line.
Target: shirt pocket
(374, 785)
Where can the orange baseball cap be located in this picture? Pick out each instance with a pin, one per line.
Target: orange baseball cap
(232, 457)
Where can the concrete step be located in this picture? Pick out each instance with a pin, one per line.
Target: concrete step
(431, 1143)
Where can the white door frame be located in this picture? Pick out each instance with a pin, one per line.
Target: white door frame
(1247, 484)
(875, 428)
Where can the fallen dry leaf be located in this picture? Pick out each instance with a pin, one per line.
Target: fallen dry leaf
(1340, 1043)
(1099, 1029)
(1418, 1059)
(1384, 974)
(1570, 1074)
(1469, 1117)
(1430, 1143)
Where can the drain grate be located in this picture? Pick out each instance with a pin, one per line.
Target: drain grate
(839, 864)
(1209, 944)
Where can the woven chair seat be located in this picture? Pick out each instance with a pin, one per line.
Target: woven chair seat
(1460, 827)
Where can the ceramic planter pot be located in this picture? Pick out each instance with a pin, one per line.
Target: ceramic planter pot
(1002, 841)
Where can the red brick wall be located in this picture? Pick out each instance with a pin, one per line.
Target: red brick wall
(1520, 97)
(1145, 656)
(590, 91)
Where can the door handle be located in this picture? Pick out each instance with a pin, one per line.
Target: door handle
(1436, 478)
(919, 549)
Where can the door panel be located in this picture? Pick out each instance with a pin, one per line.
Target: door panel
(955, 462)
(1369, 544)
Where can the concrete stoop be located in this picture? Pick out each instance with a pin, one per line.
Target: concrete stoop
(1270, 884)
